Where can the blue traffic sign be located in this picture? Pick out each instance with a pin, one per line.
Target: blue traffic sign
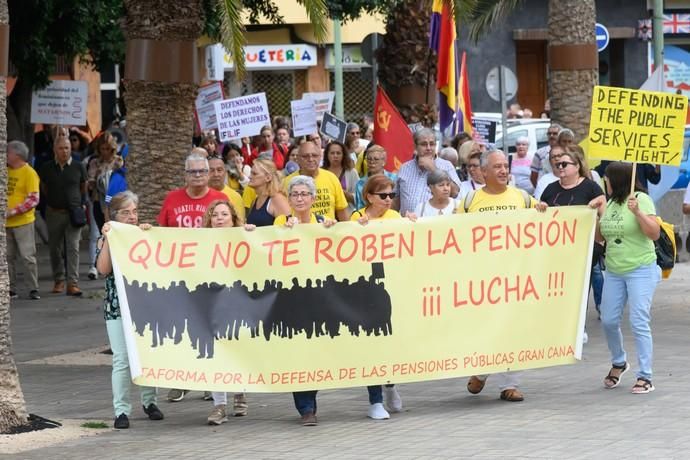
(602, 35)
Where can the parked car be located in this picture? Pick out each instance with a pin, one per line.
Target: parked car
(535, 129)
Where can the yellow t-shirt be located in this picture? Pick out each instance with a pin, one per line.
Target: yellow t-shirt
(361, 166)
(235, 200)
(389, 214)
(509, 200)
(329, 193)
(21, 182)
(280, 220)
(248, 196)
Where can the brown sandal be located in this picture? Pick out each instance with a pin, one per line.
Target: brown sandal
(612, 381)
(475, 385)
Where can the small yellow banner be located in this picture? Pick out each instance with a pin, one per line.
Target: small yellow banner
(637, 126)
(394, 301)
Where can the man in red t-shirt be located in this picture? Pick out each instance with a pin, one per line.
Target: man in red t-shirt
(185, 207)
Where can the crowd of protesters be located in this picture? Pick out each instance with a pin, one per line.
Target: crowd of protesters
(272, 179)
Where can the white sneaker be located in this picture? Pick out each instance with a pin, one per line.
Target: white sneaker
(93, 273)
(585, 338)
(393, 400)
(378, 412)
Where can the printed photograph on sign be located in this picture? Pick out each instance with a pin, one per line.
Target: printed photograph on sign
(637, 126)
(333, 127)
(205, 110)
(242, 116)
(303, 118)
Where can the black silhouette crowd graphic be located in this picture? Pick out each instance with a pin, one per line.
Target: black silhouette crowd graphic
(215, 311)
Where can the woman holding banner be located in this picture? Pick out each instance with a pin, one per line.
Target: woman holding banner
(123, 209)
(629, 225)
(221, 214)
(441, 203)
(301, 195)
(573, 187)
(378, 195)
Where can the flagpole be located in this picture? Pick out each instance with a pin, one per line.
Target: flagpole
(338, 57)
(658, 33)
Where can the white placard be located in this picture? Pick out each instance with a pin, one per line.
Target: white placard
(242, 116)
(62, 102)
(303, 118)
(204, 105)
(323, 102)
(214, 62)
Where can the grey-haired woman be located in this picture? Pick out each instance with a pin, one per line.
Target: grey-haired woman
(123, 209)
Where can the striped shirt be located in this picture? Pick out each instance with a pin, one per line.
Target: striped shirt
(411, 185)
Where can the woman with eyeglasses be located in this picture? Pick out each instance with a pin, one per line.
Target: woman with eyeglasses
(475, 178)
(374, 158)
(336, 161)
(353, 146)
(378, 196)
(301, 195)
(123, 209)
(465, 152)
(628, 224)
(573, 187)
(441, 203)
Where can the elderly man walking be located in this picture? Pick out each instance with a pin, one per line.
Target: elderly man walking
(22, 199)
(63, 183)
(497, 195)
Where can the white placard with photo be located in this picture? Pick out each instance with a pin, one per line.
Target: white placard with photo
(303, 118)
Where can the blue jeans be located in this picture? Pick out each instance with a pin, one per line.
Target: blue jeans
(305, 401)
(121, 377)
(375, 394)
(637, 288)
(597, 281)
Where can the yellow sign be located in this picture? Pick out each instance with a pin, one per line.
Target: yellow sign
(281, 309)
(637, 126)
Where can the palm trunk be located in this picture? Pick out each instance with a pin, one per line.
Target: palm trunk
(12, 406)
(407, 67)
(159, 114)
(571, 22)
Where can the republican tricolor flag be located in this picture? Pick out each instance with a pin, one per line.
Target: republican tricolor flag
(455, 113)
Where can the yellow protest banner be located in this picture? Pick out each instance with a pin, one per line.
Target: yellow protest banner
(637, 126)
(396, 301)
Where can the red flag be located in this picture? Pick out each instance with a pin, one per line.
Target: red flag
(391, 132)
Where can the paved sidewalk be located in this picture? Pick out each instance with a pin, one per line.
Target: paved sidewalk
(567, 414)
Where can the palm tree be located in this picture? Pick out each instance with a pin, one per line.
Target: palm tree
(570, 35)
(407, 67)
(12, 406)
(159, 114)
(571, 23)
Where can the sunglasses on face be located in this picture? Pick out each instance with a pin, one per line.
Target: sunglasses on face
(384, 195)
(564, 164)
